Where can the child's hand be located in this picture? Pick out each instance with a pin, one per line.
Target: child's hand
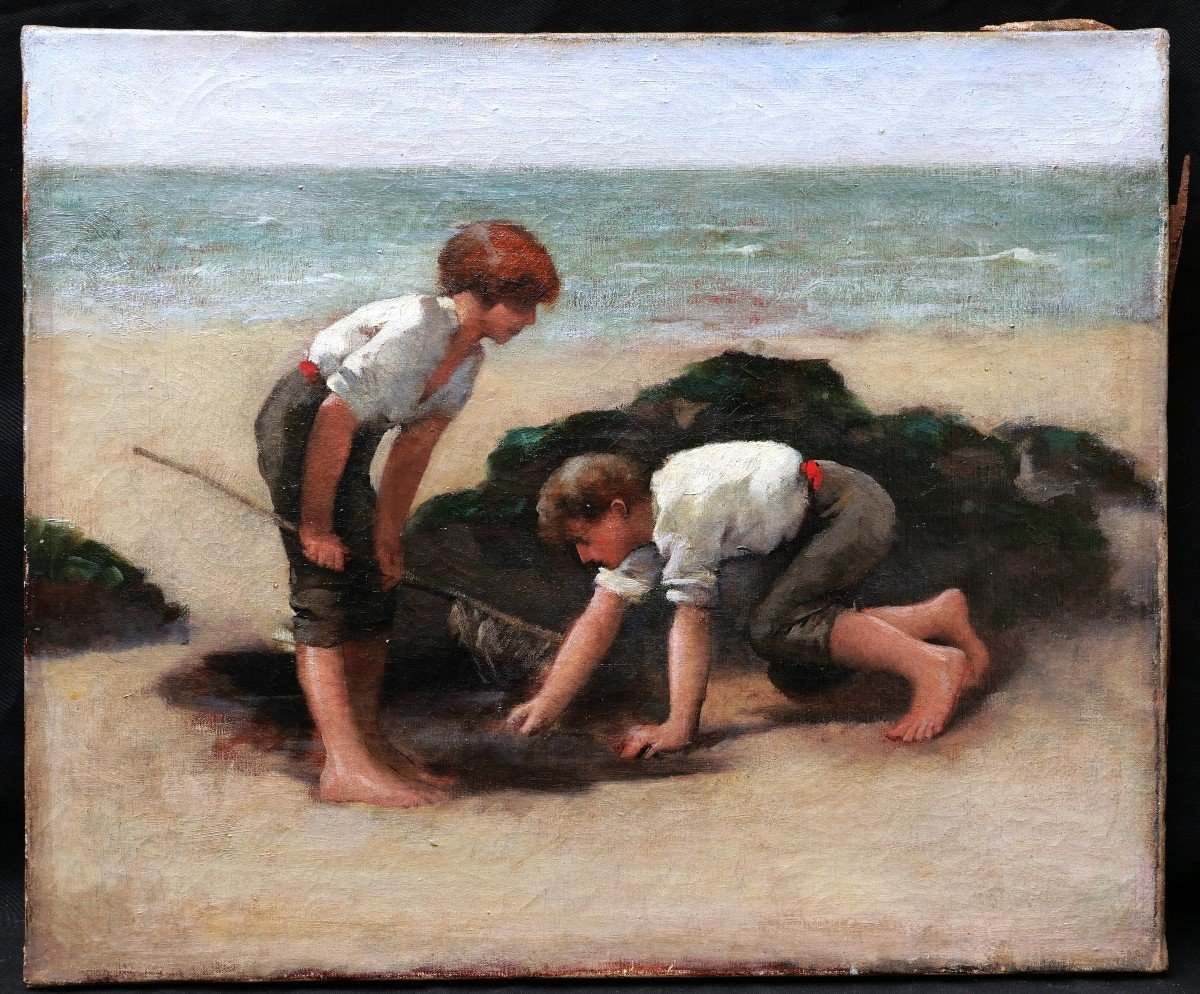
(533, 717)
(323, 548)
(644, 741)
(389, 553)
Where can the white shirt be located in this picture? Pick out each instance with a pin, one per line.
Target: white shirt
(379, 358)
(713, 503)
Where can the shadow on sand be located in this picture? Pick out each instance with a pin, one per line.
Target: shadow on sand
(251, 702)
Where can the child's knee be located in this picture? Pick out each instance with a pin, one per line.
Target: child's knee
(798, 654)
(763, 632)
(797, 637)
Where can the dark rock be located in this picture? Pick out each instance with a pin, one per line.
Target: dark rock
(78, 615)
(1056, 462)
(964, 518)
(81, 594)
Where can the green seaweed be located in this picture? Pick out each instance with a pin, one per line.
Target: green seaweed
(57, 551)
(964, 519)
(82, 593)
(737, 377)
(465, 505)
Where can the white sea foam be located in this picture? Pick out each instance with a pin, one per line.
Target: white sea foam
(262, 220)
(1023, 256)
(745, 250)
(1019, 256)
(313, 280)
(728, 227)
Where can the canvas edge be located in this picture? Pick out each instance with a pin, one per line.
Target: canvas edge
(34, 30)
(32, 791)
(41, 971)
(1160, 959)
(44, 976)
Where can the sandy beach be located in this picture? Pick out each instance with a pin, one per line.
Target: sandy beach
(194, 395)
(1025, 836)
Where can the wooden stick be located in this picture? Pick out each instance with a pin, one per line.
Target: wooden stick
(528, 627)
(212, 481)
(409, 580)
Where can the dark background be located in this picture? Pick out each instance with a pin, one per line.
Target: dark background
(1179, 18)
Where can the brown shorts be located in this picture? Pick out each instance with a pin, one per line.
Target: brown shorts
(849, 528)
(330, 607)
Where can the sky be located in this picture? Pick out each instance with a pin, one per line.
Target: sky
(219, 100)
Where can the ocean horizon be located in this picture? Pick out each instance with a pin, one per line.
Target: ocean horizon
(674, 253)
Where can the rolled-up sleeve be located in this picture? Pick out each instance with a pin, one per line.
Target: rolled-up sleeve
(690, 573)
(636, 577)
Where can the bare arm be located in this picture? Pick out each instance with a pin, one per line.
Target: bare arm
(325, 458)
(689, 652)
(586, 645)
(406, 464)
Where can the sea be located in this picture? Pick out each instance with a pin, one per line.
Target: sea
(663, 253)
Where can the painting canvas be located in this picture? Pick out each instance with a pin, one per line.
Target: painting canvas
(595, 505)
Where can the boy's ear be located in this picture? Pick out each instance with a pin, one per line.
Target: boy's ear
(620, 507)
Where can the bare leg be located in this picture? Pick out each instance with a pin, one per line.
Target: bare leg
(946, 617)
(935, 672)
(350, 772)
(364, 661)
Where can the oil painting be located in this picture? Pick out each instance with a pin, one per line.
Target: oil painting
(593, 505)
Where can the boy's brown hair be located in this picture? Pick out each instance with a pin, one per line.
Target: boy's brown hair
(585, 487)
(498, 260)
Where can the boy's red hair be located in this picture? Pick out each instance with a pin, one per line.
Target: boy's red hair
(498, 260)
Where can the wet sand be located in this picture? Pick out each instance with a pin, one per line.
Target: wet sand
(1027, 836)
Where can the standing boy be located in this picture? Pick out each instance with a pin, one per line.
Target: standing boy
(407, 362)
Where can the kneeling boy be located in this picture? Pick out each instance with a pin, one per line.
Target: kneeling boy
(717, 502)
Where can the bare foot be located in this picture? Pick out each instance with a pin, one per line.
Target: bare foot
(405, 764)
(961, 635)
(370, 783)
(935, 693)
